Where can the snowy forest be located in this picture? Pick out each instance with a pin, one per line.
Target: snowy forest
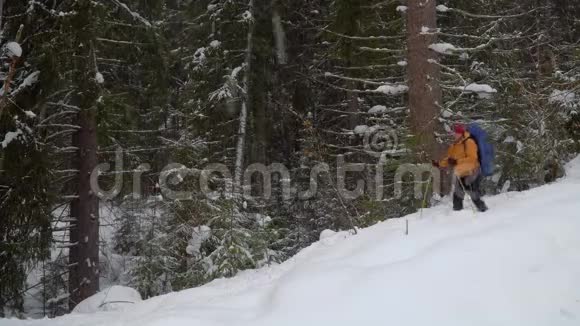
(130, 130)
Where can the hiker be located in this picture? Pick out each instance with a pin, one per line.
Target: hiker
(462, 156)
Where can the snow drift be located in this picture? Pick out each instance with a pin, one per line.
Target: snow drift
(518, 264)
(112, 298)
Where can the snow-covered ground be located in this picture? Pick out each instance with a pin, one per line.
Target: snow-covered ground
(518, 264)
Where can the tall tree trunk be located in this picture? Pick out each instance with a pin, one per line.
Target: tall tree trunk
(423, 75)
(349, 23)
(243, 119)
(260, 81)
(84, 234)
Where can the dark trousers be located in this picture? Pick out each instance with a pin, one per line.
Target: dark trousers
(471, 184)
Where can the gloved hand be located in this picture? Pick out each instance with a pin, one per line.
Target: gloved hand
(435, 163)
(452, 161)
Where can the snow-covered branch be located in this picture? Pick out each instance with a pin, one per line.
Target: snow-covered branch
(472, 15)
(363, 38)
(447, 48)
(365, 81)
(380, 50)
(135, 15)
(100, 39)
(385, 89)
(35, 4)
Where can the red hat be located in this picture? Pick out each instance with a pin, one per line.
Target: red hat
(459, 128)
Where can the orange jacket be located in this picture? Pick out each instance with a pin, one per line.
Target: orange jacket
(465, 152)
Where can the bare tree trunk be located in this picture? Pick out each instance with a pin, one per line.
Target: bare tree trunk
(243, 123)
(423, 74)
(84, 234)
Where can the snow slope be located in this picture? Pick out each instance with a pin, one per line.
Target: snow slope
(518, 264)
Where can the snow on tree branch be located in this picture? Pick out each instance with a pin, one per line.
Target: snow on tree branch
(27, 82)
(366, 81)
(448, 48)
(478, 88)
(442, 8)
(10, 136)
(135, 15)
(482, 90)
(402, 9)
(383, 50)
(14, 49)
(564, 98)
(363, 38)
(35, 4)
(392, 89)
(443, 48)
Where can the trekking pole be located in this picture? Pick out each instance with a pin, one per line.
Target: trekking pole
(425, 198)
(467, 194)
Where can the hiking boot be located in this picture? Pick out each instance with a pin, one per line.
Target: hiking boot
(480, 204)
(457, 203)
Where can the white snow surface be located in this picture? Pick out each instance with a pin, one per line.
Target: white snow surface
(325, 234)
(110, 299)
(517, 264)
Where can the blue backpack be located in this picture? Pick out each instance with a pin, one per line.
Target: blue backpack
(485, 150)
